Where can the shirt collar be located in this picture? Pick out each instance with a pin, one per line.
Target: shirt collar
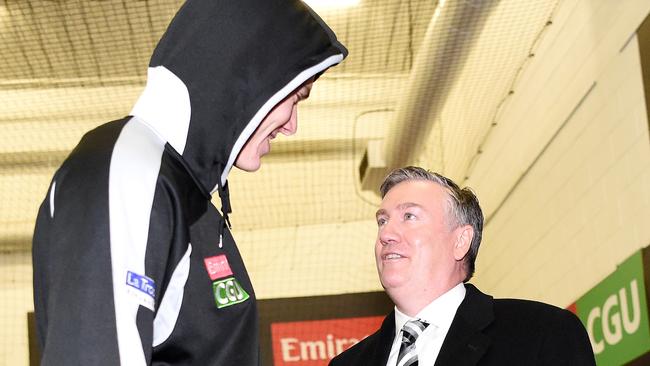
(440, 312)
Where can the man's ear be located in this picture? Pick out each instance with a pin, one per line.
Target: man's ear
(464, 236)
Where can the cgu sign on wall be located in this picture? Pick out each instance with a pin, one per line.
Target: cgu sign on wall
(615, 313)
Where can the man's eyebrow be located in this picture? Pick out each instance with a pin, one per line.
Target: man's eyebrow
(404, 205)
(401, 206)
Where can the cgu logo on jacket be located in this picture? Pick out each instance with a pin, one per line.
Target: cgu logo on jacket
(615, 314)
(226, 291)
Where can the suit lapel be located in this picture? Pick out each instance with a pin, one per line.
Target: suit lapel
(384, 341)
(465, 343)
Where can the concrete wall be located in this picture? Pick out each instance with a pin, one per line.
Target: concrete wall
(577, 131)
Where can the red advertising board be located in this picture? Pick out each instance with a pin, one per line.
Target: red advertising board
(315, 342)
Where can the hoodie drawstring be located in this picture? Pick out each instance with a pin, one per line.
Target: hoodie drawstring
(224, 194)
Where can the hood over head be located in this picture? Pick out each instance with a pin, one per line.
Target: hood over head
(221, 67)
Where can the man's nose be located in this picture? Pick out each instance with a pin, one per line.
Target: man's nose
(291, 127)
(389, 233)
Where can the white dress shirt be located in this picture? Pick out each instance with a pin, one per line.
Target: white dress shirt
(439, 314)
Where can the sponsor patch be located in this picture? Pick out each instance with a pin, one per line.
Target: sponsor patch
(217, 267)
(228, 292)
(142, 288)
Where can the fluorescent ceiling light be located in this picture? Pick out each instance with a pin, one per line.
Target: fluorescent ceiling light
(331, 4)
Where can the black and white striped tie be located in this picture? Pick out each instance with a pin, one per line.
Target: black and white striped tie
(410, 332)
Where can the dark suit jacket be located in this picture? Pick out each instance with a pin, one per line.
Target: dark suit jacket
(486, 331)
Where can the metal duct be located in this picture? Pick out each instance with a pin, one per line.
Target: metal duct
(454, 28)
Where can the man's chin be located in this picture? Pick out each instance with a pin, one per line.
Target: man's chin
(249, 166)
(392, 282)
(249, 170)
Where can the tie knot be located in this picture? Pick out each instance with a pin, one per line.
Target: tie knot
(412, 330)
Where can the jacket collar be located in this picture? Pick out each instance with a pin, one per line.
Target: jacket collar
(385, 340)
(465, 343)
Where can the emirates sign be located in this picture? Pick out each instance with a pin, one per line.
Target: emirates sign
(314, 343)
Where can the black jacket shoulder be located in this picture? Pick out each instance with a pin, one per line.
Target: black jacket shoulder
(487, 331)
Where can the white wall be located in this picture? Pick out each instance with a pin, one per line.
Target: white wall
(15, 302)
(583, 206)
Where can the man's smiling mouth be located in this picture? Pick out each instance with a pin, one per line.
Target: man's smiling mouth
(390, 256)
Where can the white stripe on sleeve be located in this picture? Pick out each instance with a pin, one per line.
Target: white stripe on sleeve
(134, 169)
(52, 199)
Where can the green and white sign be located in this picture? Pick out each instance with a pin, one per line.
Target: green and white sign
(615, 313)
(228, 292)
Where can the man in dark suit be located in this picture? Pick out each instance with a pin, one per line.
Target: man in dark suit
(428, 240)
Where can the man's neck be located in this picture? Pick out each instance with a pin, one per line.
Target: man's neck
(411, 302)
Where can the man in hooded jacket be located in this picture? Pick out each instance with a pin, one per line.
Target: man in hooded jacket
(133, 265)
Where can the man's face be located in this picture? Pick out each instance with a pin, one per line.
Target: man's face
(283, 118)
(415, 243)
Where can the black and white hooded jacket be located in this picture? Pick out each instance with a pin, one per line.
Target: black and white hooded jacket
(133, 265)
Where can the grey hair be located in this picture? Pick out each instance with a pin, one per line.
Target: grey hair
(463, 206)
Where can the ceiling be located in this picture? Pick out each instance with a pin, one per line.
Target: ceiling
(68, 66)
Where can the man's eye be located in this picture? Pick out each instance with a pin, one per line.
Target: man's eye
(300, 98)
(409, 216)
(381, 221)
